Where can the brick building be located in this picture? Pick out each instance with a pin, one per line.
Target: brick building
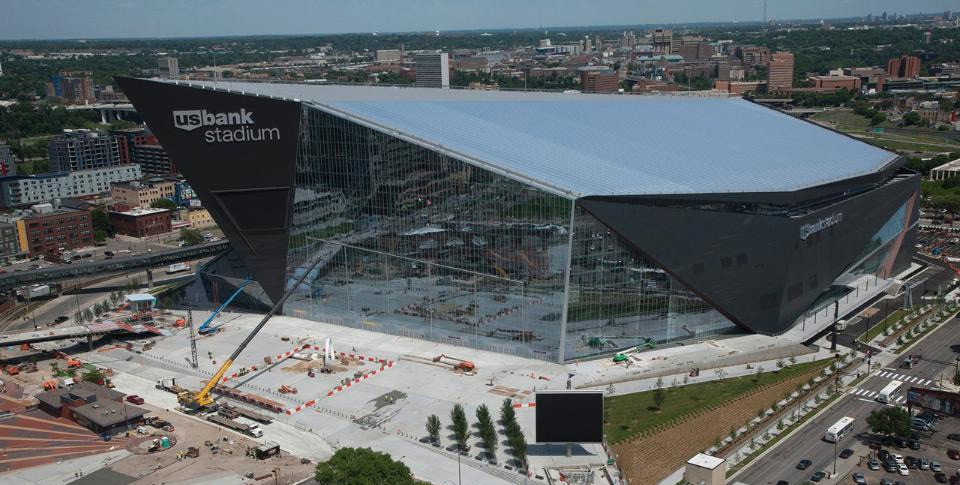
(904, 67)
(52, 231)
(833, 83)
(141, 222)
(601, 80)
(780, 75)
(140, 194)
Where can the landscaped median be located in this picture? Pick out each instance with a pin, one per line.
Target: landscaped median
(883, 325)
(651, 441)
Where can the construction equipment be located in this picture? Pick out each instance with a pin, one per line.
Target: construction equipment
(194, 401)
(12, 370)
(74, 363)
(620, 358)
(206, 329)
(193, 341)
(458, 364)
(285, 389)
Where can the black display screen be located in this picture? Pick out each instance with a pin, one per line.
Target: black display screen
(569, 417)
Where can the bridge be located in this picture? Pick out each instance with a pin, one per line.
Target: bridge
(79, 332)
(110, 111)
(81, 269)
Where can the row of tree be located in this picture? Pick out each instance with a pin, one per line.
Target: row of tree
(485, 430)
(93, 312)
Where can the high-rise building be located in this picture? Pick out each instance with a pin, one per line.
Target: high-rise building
(127, 138)
(544, 218)
(53, 230)
(81, 150)
(1, 67)
(8, 165)
(662, 41)
(598, 79)
(433, 70)
(153, 159)
(20, 190)
(927, 37)
(73, 87)
(169, 67)
(780, 74)
(587, 44)
(904, 67)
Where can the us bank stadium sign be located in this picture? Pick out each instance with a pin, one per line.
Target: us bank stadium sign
(231, 127)
(807, 230)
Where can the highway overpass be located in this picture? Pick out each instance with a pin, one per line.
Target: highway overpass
(83, 269)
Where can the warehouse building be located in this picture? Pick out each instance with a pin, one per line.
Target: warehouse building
(547, 225)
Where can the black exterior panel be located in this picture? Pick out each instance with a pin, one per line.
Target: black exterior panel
(244, 178)
(756, 269)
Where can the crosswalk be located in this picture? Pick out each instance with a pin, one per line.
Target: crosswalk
(872, 394)
(893, 376)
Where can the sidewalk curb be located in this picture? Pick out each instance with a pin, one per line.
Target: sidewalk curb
(783, 440)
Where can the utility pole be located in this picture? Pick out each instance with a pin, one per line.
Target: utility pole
(193, 340)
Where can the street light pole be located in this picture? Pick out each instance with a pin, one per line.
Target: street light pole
(835, 458)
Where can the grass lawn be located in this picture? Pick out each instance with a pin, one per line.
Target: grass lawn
(845, 120)
(632, 413)
(878, 328)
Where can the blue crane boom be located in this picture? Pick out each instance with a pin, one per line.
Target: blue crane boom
(205, 328)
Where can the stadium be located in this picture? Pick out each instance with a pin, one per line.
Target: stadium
(553, 226)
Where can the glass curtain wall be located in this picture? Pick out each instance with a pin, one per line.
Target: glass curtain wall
(420, 244)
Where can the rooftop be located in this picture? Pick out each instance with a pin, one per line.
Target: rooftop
(952, 165)
(577, 145)
(705, 461)
(141, 211)
(109, 413)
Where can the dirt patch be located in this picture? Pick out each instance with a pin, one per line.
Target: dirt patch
(341, 365)
(652, 458)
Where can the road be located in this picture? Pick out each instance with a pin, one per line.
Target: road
(807, 443)
(933, 278)
(67, 305)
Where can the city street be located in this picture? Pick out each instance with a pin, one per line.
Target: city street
(937, 349)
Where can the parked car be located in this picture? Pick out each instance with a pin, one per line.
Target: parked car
(935, 466)
(924, 464)
(914, 444)
(954, 436)
(820, 475)
(134, 399)
(846, 453)
(953, 454)
(903, 470)
(873, 465)
(858, 479)
(940, 477)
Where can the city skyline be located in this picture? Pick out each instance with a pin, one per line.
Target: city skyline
(178, 18)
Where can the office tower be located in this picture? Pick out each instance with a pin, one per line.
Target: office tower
(780, 74)
(433, 70)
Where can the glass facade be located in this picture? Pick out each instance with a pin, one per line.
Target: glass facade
(416, 243)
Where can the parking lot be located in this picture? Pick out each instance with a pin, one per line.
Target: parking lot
(921, 464)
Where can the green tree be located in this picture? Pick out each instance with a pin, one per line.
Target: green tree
(190, 237)
(362, 466)
(101, 222)
(433, 428)
(88, 315)
(460, 427)
(659, 395)
(163, 204)
(911, 118)
(507, 413)
(93, 375)
(889, 421)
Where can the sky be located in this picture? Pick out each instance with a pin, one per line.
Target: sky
(68, 19)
